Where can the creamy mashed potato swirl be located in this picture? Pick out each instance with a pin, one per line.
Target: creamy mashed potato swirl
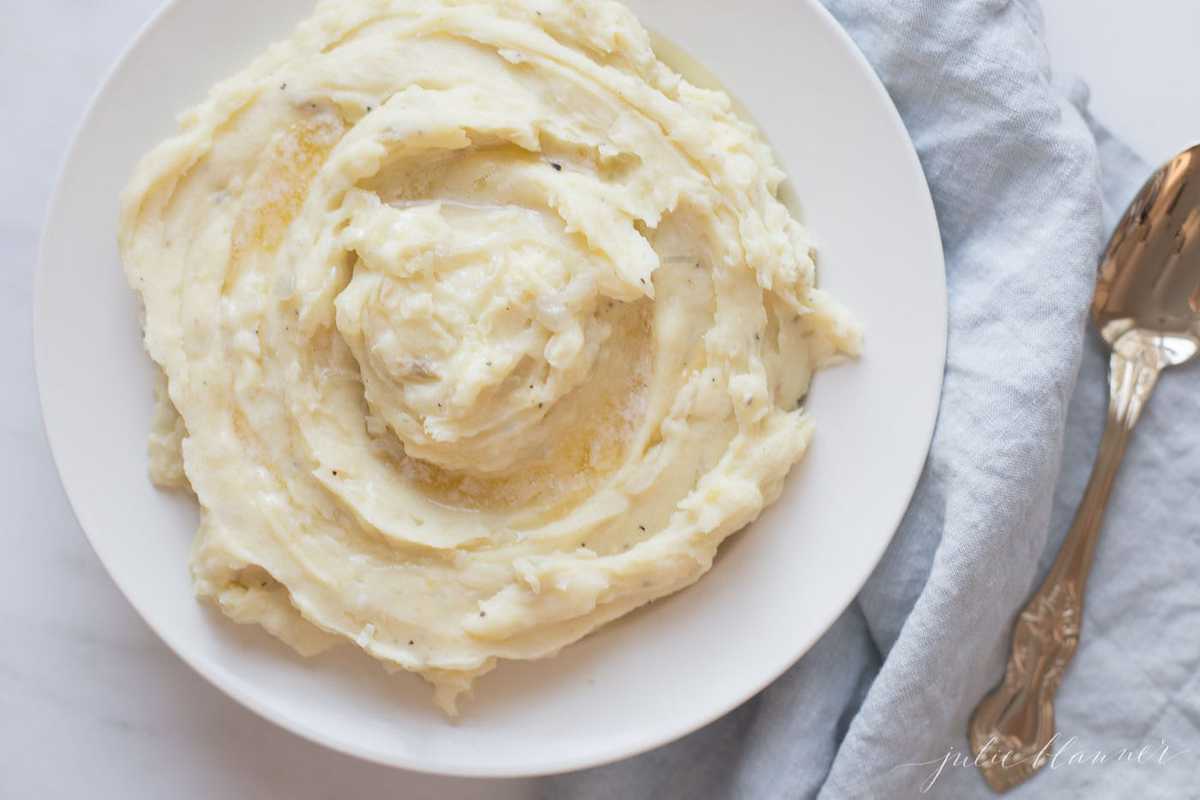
(480, 327)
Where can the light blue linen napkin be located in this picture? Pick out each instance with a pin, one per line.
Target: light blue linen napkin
(1026, 187)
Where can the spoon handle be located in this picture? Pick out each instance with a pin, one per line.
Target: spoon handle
(1012, 729)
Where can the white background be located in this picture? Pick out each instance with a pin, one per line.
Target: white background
(1140, 60)
(91, 704)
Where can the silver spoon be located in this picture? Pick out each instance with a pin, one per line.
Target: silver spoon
(1147, 308)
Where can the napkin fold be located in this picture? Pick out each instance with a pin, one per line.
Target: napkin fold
(1026, 187)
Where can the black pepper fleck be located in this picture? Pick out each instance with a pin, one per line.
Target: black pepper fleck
(282, 86)
(557, 167)
(483, 613)
(410, 641)
(642, 528)
(335, 472)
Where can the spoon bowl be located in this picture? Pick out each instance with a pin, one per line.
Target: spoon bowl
(1147, 298)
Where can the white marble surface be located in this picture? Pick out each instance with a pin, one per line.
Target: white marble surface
(91, 703)
(1139, 58)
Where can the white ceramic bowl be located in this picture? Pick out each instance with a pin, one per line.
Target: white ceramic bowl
(646, 679)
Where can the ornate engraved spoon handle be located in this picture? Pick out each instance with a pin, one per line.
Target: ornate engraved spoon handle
(1013, 726)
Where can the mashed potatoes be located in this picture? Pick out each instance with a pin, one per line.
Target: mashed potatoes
(480, 328)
